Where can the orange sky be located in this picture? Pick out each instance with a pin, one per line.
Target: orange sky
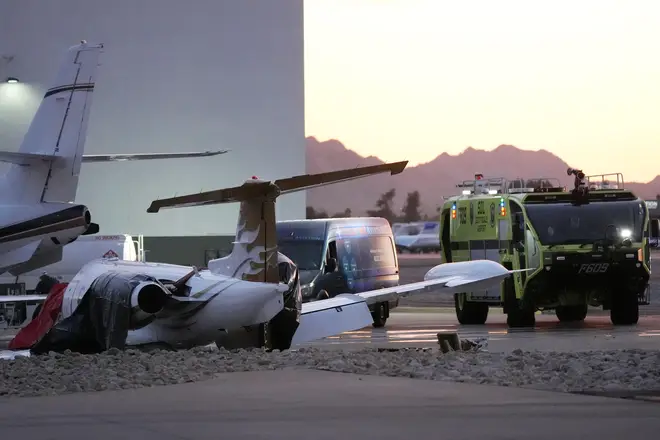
(410, 79)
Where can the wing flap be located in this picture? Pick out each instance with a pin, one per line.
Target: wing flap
(329, 317)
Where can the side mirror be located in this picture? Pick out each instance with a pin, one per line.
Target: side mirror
(330, 265)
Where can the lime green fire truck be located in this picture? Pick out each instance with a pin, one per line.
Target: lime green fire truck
(588, 246)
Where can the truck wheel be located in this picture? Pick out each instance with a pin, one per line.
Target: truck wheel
(379, 314)
(571, 313)
(516, 316)
(469, 313)
(625, 309)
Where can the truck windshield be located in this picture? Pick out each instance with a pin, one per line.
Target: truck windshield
(584, 224)
(306, 254)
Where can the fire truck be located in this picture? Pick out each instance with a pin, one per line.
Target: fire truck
(587, 246)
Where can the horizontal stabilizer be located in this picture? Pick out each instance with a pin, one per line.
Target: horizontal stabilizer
(308, 181)
(147, 156)
(21, 298)
(26, 159)
(255, 189)
(320, 319)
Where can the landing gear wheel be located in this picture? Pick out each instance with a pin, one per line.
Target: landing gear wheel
(469, 313)
(625, 309)
(280, 330)
(571, 313)
(380, 314)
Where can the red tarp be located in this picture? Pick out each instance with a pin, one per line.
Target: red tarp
(39, 326)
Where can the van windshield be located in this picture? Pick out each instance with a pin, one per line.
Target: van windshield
(584, 224)
(306, 254)
(357, 254)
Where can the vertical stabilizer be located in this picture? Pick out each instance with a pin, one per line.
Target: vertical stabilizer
(254, 255)
(59, 128)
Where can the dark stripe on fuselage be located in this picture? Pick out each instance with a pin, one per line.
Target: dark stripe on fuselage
(47, 224)
(71, 87)
(480, 245)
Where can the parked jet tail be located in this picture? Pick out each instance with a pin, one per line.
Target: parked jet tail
(254, 255)
(47, 165)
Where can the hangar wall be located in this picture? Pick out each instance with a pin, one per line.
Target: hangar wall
(175, 76)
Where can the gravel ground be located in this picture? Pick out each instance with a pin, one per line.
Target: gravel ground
(568, 372)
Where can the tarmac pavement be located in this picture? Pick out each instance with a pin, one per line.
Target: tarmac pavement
(419, 327)
(301, 404)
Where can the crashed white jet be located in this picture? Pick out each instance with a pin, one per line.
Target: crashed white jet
(250, 298)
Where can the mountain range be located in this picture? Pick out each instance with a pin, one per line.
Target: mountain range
(434, 180)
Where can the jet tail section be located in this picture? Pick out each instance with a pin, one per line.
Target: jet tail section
(254, 255)
(47, 165)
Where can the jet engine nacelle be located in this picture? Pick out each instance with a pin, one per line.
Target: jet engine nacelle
(147, 299)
